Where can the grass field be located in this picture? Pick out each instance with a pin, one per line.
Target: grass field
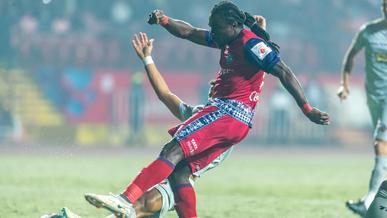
(290, 183)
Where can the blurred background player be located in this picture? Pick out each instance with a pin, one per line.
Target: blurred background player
(225, 120)
(373, 38)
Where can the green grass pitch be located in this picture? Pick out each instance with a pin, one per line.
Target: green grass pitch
(274, 184)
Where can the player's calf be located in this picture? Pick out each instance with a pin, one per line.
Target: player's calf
(378, 208)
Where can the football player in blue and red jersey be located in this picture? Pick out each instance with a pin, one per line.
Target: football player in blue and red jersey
(245, 59)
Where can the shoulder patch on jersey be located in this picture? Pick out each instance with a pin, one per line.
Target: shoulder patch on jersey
(261, 50)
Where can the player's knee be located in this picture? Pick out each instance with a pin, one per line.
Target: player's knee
(172, 152)
(150, 205)
(180, 176)
(381, 147)
(147, 204)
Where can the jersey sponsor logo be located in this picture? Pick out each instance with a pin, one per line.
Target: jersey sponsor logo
(380, 57)
(225, 71)
(261, 50)
(254, 96)
(192, 145)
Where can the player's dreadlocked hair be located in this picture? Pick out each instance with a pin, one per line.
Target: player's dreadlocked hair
(253, 25)
(230, 12)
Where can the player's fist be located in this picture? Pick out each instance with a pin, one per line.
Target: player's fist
(155, 17)
(343, 92)
(261, 21)
(317, 116)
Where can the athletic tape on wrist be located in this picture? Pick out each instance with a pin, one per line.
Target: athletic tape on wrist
(148, 60)
(306, 108)
(164, 20)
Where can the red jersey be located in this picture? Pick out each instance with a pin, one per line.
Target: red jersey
(243, 64)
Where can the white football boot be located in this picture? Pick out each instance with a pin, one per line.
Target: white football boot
(116, 204)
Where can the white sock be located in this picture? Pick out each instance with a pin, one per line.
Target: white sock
(378, 208)
(378, 174)
(368, 198)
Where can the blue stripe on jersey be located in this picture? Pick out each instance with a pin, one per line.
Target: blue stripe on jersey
(210, 42)
(261, 54)
(198, 124)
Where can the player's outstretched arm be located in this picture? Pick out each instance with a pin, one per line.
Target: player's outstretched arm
(179, 28)
(354, 48)
(143, 47)
(290, 82)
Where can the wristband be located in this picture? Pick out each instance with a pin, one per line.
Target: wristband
(164, 20)
(148, 60)
(307, 108)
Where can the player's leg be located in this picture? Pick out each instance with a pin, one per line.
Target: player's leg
(380, 168)
(379, 172)
(184, 193)
(150, 203)
(378, 208)
(154, 173)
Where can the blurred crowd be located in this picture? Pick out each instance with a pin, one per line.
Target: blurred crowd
(63, 45)
(97, 33)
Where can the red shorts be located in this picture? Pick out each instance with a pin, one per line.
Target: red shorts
(206, 135)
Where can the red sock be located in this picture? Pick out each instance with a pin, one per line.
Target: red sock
(185, 201)
(151, 175)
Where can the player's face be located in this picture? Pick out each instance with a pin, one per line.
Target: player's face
(384, 8)
(221, 31)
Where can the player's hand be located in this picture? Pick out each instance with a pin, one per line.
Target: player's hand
(261, 21)
(343, 92)
(142, 45)
(155, 17)
(319, 117)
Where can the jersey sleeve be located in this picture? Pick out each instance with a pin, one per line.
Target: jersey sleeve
(359, 41)
(261, 54)
(209, 40)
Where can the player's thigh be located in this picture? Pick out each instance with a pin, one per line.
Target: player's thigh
(380, 133)
(374, 107)
(181, 174)
(172, 152)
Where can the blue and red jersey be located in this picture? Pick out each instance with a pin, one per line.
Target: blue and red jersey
(243, 64)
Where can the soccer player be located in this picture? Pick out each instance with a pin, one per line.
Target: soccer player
(156, 202)
(227, 117)
(373, 38)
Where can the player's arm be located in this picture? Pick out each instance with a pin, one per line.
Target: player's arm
(356, 45)
(143, 47)
(290, 82)
(263, 56)
(180, 29)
